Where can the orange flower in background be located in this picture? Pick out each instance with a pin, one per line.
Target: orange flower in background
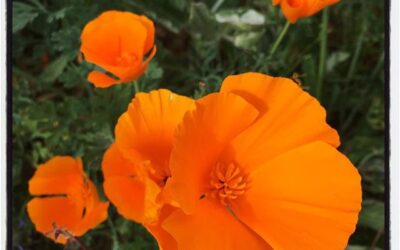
(118, 42)
(255, 166)
(68, 200)
(295, 9)
(136, 166)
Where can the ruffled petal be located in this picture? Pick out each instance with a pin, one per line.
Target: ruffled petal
(290, 118)
(201, 140)
(145, 131)
(135, 199)
(129, 188)
(307, 198)
(212, 226)
(60, 175)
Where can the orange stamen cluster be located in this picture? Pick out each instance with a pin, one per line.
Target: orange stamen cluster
(227, 182)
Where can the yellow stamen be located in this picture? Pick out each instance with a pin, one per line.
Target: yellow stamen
(227, 183)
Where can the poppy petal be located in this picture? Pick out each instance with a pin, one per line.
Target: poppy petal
(315, 6)
(145, 131)
(201, 138)
(310, 195)
(221, 230)
(150, 32)
(135, 199)
(93, 217)
(112, 35)
(44, 212)
(164, 239)
(114, 164)
(132, 34)
(60, 175)
(127, 74)
(127, 194)
(101, 80)
(290, 117)
(292, 14)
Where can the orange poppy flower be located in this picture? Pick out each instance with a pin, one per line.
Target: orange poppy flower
(255, 166)
(118, 42)
(68, 200)
(136, 166)
(295, 9)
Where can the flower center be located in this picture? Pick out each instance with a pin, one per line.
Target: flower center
(146, 169)
(227, 182)
(126, 59)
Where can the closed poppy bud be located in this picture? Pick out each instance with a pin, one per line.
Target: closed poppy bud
(295, 9)
(67, 204)
(121, 43)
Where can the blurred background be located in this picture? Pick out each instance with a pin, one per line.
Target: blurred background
(57, 112)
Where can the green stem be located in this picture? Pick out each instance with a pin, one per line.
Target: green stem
(356, 55)
(279, 39)
(217, 5)
(322, 52)
(136, 87)
(114, 235)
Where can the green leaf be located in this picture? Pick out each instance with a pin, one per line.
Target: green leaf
(22, 15)
(55, 69)
(58, 15)
(372, 214)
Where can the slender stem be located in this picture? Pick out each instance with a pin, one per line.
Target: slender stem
(322, 52)
(356, 55)
(114, 235)
(136, 87)
(279, 39)
(377, 237)
(217, 5)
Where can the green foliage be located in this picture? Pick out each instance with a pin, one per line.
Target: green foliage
(57, 112)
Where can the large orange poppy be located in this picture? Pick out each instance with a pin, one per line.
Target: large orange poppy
(136, 166)
(67, 201)
(255, 166)
(118, 42)
(295, 9)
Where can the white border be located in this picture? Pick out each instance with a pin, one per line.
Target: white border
(395, 124)
(3, 122)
